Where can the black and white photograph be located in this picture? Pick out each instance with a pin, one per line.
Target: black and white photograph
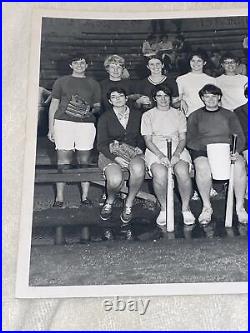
(138, 183)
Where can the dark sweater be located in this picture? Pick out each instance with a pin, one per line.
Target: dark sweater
(242, 114)
(109, 129)
(205, 127)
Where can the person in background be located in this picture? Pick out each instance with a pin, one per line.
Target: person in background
(75, 101)
(158, 124)
(242, 114)
(44, 98)
(122, 124)
(231, 83)
(150, 46)
(214, 124)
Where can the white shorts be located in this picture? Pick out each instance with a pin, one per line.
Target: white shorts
(151, 158)
(71, 135)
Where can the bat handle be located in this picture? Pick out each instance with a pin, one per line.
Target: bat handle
(169, 149)
(234, 143)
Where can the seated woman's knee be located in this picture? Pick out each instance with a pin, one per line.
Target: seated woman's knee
(137, 167)
(181, 170)
(159, 172)
(202, 167)
(240, 164)
(114, 178)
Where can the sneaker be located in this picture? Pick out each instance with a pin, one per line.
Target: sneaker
(102, 200)
(213, 193)
(188, 217)
(162, 218)
(126, 215)
(58, 204)
(106, 212)
(242, 215)
(86, 202)
(195, 196)
(205, 216)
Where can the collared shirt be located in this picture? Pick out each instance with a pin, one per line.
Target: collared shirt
(123, 117)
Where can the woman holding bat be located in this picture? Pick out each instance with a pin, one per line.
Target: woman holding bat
(214, 124)
(121, 146)
(158, 125)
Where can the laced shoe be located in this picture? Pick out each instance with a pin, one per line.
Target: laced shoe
(205, 216)
(106, 211)
(126, 215)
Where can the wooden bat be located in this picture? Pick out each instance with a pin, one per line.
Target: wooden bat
(230, 192)
(170, 191)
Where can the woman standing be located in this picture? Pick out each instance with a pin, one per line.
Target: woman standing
(155, 135)
(145, 86)
(190, 84)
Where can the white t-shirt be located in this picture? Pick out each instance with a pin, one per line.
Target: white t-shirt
(232, 87)
(163, 125)
(189, 86)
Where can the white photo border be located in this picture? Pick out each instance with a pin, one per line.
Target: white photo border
(23, 290)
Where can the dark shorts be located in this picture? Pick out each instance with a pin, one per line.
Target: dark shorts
(197, 153)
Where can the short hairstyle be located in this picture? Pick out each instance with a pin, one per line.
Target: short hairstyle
(161, 87)
(114, 59)
(154, 57)
(78, 56)
(210, 89)
(116, 89)
(229, 55)
(199, 53)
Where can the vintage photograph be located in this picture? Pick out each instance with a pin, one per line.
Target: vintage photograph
(140, 177)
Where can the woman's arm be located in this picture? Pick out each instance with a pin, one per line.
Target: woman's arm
(52, 110)
(179, 149)
(152, 147)
(103, 139)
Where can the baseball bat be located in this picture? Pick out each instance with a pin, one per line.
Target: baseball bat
(230, 192)
(170, 191)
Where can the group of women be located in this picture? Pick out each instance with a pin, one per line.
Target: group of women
(189, 110)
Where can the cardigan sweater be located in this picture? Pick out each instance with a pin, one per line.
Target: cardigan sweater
(109, 129)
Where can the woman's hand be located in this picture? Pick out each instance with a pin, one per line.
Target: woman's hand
(184, 107)
(175, 159)
(143, 100)
(234, 157)
(138, 151)
(51, 134)
(165, 161)
(123, 163)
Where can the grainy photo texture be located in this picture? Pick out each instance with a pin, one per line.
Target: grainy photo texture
(140, 175)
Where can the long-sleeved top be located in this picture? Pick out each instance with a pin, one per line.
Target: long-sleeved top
(205, 127)
(109, 129)
(242, 114)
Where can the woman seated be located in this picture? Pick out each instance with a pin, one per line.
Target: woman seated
(159, 124)
(214, 124)
(123, 125)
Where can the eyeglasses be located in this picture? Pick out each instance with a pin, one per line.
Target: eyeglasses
(232, 62)
(160, 95)
(117, 97)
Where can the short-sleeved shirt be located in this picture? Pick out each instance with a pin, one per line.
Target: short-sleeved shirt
(232, 87)
(162, 125)
(189, 86)
(75, 92)
(145, 86)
